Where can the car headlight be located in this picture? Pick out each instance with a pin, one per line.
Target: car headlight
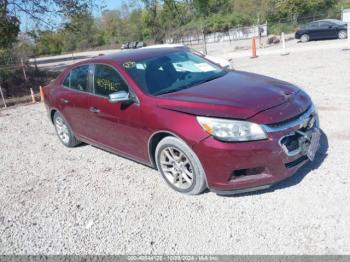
(231, 130)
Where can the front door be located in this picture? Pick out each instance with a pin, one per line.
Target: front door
(327, 30)
(117, 126)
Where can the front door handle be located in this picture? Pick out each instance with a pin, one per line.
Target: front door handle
(94, 110)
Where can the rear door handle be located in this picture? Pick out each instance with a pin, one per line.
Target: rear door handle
(94, 110)
(65, 101)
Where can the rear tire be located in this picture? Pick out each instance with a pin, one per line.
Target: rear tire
(64, 132)
(342, 34)
(305, 38)
(180, 166)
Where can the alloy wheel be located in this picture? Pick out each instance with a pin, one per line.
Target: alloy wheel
(62, 130)
(342, 34)
(305, 38)
(176, 168)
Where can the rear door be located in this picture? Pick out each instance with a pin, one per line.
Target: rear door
(117, 126)
(74, 99)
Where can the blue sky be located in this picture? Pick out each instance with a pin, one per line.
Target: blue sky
(112, 4)
(26, 22)
(116, 4)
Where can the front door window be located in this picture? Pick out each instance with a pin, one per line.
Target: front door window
(107, 81)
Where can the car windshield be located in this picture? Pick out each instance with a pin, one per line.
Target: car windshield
(172, 72)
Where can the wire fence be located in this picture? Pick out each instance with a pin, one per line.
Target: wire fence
(19, 75)
(18, 79)
(196, 36)
(275, 25)
(292, 22)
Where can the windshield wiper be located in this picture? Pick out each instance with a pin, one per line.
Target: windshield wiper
(168, 91)
(206, 80)
(210, 78)
(190, 84)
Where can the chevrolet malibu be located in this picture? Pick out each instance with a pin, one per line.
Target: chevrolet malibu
(200, 125)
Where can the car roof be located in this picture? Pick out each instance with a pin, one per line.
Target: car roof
(330, 20)
(165, 46)
(134, 55)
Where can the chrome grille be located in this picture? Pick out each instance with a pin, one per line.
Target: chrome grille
(309, 117)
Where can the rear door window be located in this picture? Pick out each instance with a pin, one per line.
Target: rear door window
(77, 79)
(107, 81)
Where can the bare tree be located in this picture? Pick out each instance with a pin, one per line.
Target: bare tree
(40, 11)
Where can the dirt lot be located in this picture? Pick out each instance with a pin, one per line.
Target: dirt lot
(56, 200)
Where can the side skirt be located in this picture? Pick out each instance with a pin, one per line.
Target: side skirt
(115, 151)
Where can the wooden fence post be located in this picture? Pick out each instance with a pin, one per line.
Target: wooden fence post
(204, 43)
(24, 71)
(2, 96)
(32, 95)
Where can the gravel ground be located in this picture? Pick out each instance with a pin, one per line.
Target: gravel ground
(55, 200)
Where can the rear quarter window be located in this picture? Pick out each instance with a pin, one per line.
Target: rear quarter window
(66, 81)
(325, 24)
(77, 78)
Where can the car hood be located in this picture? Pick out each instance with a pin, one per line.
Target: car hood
(238, 95)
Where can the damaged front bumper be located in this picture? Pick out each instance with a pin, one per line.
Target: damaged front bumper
(234, 168)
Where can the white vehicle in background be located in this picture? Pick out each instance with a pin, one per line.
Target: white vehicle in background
(346, 15)
(217, 60)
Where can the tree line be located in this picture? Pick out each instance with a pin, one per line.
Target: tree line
(32, 28)
(145, 20)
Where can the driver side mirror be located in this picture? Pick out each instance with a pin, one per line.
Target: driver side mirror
(118, 97)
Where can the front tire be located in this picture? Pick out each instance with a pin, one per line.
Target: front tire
(64, 132)
(342, 34)
(305, 38)
(180, 166)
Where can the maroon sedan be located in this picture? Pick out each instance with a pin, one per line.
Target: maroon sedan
(200, 125)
